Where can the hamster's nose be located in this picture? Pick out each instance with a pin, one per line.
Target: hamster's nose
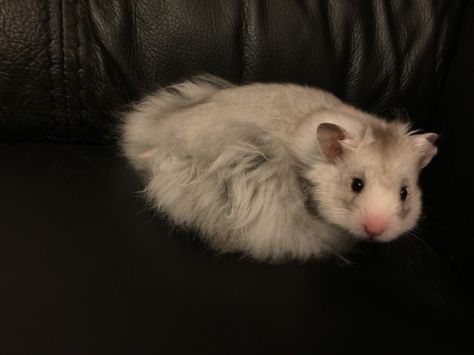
(375, 226)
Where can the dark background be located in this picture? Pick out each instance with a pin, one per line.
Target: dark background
(86, 267)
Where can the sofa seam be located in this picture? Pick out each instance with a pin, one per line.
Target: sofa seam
(244, 39)
(47, 10)
(449, 58)
(80, 68)
(62, 43)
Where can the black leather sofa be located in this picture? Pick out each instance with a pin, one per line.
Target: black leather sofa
(86, 267)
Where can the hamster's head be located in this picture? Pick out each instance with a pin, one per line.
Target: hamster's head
(367, 183)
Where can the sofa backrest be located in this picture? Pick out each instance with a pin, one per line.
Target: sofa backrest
(67, 67)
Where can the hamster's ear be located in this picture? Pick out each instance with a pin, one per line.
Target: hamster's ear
(423, 145)
(330, 139)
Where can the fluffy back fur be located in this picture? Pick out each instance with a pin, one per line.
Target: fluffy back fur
(242, 164)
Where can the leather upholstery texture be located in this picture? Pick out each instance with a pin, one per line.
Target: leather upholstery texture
(87, 266)
(67, 66)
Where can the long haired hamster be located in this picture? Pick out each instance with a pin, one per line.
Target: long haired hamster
(275, 171)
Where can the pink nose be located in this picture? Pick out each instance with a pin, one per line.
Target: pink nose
(375, 226)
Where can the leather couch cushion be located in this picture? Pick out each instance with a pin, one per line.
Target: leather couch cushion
(87, 268)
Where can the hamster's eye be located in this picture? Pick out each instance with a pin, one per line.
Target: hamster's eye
(357, 185)
(403, 193)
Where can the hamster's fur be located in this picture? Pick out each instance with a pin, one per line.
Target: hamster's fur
(275, 171)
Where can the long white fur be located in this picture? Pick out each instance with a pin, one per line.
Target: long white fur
(228, 160)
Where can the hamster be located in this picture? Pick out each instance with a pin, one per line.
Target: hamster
(275, 171)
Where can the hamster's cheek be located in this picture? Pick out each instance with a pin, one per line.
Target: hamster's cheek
(354, 226)
(397, 231)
